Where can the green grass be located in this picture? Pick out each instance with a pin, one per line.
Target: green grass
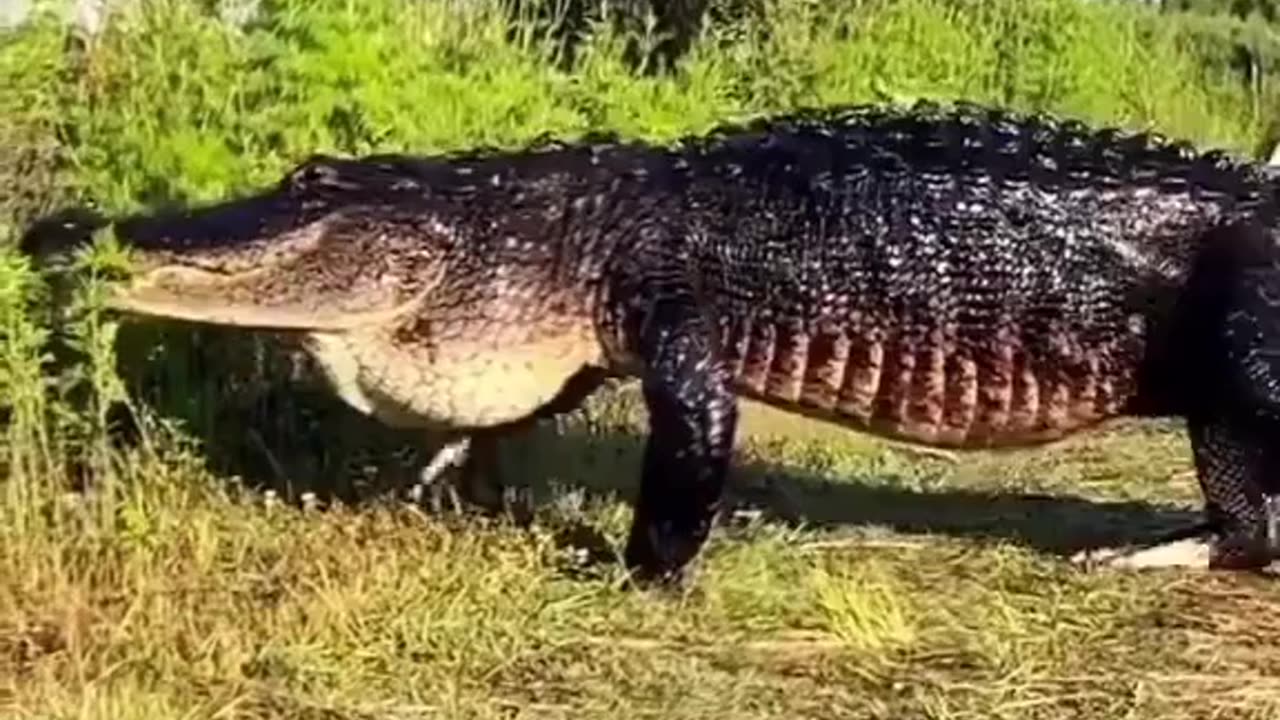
(146, 571)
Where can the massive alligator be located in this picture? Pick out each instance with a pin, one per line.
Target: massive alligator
(958, 276)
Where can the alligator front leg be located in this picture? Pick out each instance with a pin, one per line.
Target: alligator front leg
(479, 484)
(482, 484)
(454, 452)
(430, 487)
(692, 421)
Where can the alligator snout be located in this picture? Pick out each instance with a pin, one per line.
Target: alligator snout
(55, 236)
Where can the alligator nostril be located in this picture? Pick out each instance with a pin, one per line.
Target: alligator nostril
(60, 233)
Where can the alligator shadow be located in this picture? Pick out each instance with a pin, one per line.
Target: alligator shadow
(261, 417)
(1059, 524)
(607, 466)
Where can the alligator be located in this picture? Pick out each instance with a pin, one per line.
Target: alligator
(957, 276)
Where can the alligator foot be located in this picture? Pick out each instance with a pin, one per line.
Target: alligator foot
(1202, 553)
(483, 486)
(429, 489)
(1199, 546)
(479, 485)
(1188, 552)
(455, 452)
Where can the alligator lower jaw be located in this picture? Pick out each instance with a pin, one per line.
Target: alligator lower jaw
(156, 303)
(213, 314)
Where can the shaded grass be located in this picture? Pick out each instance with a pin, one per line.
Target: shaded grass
(145, 573)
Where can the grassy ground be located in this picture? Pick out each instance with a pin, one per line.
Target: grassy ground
(146, 572)
(919, 597)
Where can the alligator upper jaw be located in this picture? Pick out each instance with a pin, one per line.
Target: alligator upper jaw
(210, 298)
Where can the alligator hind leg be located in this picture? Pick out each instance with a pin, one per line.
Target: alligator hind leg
(1229, 345)
(692, 420)
(1231, 465)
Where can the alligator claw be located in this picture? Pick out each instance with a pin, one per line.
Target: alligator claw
(518, 504)
(1190, 552)
(454, 453)
(1198, 547)
(475, 489)
(430, 490)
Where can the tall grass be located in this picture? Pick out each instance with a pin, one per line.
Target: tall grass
(151, 112)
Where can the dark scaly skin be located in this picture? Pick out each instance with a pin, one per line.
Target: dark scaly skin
(1231, 345)
(963, 279)
(998, 305)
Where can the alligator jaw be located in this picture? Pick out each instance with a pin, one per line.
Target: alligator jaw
(209, 298)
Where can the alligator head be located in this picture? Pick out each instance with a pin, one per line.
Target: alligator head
(333, 247)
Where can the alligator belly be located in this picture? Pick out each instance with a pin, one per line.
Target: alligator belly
(460, 385)
(997, 392)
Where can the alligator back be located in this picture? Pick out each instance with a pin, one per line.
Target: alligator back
(961, 278)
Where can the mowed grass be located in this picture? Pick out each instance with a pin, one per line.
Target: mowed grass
(159, 556)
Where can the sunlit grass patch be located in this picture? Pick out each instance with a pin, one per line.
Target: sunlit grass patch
(866, 608)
